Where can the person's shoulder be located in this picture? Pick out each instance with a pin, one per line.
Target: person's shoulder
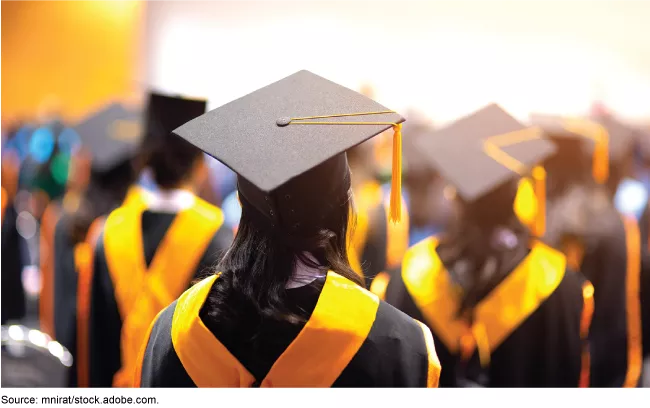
(398, 352)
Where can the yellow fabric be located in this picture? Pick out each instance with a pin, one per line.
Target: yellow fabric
(367, 197)
(397, 237)
(633, 303)
(434, 369)
(142, 293)
(500, 312)
(84, 254)
(380, 284)
(327, 343)
(585, 323)
(46, 249)
(5, 200)
(525, 205)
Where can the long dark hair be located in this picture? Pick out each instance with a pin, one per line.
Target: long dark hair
(260, 262)
(483, 245)
(105, 191)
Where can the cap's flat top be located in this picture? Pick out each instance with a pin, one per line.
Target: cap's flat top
(458, 151)
(245, 136)
(112, 135)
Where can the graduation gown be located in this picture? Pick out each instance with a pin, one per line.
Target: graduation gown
(142, 261)
(614, 268)
(60, 260)
(529, 331)
(13, 294)
(351, 339)
(644, 226)
(376, 244)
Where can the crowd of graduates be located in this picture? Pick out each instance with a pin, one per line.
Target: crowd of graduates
(244, 247)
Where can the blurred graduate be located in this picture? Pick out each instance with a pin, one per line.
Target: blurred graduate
(148, 254)
(604, 245)
(502, 306)
(105, 166)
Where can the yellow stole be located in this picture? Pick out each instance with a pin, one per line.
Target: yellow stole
(142, 292)
(337, 328)
(497, 315)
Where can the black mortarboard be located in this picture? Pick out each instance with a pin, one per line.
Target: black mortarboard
(167, 112)
(112, 135)
(287, 141)
(596, 135)
(481, 152)
(463, 153)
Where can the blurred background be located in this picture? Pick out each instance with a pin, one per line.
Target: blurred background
(434, 61)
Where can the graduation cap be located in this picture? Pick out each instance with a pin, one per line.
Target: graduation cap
(112, 135)
(479, 153)
(287, 143)
(597, 135)
(167, 112)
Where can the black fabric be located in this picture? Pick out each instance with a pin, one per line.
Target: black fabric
(605, 265)
(161, 366)
(257, 344)
(105, 320)
(544, 351)
(13, 294)
(65, 291)
(374, 254)
(393, 355)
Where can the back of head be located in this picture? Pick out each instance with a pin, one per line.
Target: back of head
(170, 158)
(263, 258)
(484, 244)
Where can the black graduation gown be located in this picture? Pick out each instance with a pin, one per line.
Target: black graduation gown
(105, 319)
(368, 343)
(13, 294)
(529, 330)
(614, 268)
(644, 226)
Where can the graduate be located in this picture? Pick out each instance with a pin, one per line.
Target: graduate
(110, 141)
(147, 255)
(284, 308)
(503, 309)
(602, 244)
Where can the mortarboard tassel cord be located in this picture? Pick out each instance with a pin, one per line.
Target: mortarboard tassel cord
(396, 177)
(539, 178)
(600, 136)
(492, 147)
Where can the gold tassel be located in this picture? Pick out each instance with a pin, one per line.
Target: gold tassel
(539, 225)
(396, 181)
(601, 158)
